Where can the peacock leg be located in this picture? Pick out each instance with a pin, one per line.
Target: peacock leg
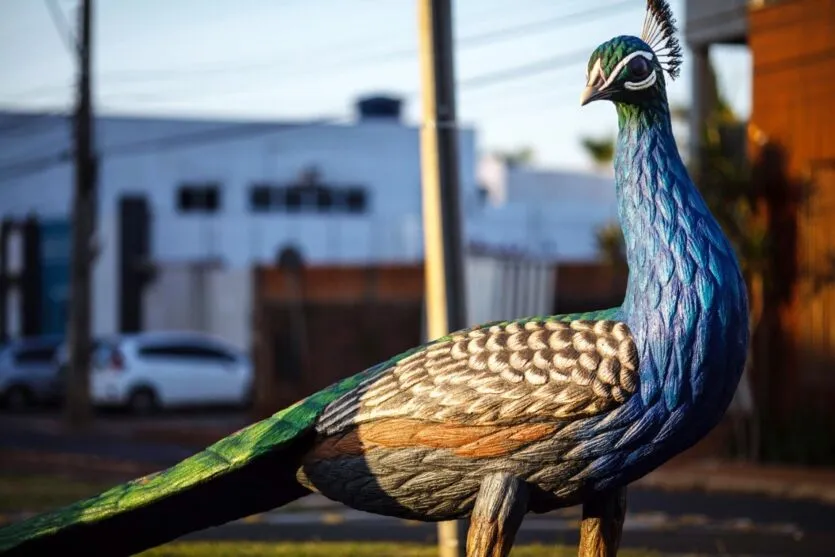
(602, 524)
(501, 504)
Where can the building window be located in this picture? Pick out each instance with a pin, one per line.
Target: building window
(198, 198)
(259, 198)
(293, 200)
(355, 200)
(324, 200)
(321, 198)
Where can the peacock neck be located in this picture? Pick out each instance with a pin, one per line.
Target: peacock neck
(685, 299)
(656, 199)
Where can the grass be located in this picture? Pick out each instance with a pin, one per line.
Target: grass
(327, 549)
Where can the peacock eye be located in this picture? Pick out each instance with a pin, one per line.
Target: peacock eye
(639, 67)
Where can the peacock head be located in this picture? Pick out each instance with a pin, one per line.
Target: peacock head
(630, 70)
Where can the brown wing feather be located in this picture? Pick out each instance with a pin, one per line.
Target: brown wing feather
(538, 370)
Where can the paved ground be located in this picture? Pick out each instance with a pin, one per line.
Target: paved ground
(701, 515)
(681, 523)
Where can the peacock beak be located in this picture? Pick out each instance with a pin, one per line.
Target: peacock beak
(591, 94)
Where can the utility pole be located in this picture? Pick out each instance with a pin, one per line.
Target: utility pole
(78, 412)
(443, 259)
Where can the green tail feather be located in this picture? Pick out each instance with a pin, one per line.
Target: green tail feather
(96, 522)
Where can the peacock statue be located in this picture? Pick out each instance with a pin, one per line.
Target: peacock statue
(498, 420)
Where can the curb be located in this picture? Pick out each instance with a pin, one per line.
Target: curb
(742, 481)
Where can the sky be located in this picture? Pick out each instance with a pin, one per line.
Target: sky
(520, 64)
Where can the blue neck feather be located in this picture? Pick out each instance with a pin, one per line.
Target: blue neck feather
(685, 302)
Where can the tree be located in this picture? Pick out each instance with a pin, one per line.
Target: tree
(520, 156)
(609, 237)
(610, 245)
(601, 150)
(726, 183)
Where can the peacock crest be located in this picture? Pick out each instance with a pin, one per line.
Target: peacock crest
(659, 32)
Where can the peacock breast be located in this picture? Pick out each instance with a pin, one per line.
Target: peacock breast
(687, 308)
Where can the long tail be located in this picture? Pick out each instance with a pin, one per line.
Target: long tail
(250, 471)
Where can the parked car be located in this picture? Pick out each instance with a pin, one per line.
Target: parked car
(28, 373)
(147, 371)
(62, 362)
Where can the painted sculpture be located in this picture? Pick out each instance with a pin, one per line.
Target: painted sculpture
(502, 419)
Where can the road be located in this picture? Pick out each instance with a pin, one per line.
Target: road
(679, 523)
(671, 522)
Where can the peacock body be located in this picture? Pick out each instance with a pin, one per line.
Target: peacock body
(566, 406)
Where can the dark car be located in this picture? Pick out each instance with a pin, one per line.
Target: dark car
(28, 373)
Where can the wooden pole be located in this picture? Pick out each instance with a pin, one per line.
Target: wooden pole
(78, 411)
(443, 261)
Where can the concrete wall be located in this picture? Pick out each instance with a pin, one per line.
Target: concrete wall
(105, 277)
(202, 298)
(229, 306)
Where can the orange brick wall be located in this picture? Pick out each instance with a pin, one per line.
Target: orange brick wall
(793, 119)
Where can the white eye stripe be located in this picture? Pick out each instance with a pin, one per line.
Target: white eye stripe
(623, 63)
(645, 84)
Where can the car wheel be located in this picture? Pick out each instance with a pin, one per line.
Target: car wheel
(142, 402)
(17, 398)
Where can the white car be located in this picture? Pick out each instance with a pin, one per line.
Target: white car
(147, 371)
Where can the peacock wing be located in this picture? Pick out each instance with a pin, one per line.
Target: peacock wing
(540, 370)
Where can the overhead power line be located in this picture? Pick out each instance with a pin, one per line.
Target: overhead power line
(223, 133)
(188, 139)
(239, 130)
(27, 122)
(549, 64)
(351, 63)
(34, 165)
(62, 26)
(545, 24)
(494, 36)
(513, 73)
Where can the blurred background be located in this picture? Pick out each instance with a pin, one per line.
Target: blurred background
(258, 235)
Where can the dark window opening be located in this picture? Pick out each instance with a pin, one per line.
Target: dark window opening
(324, 199)
(279, 198)
(318, 198)
(198, 199)
(356, 201)
(309, 199)
(293, 200)
(187, 199)
(259, 198)
(339, 199)
(211, 199)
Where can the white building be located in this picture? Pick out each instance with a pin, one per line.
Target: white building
(234, 194)
(225, 190)
(545, 213)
